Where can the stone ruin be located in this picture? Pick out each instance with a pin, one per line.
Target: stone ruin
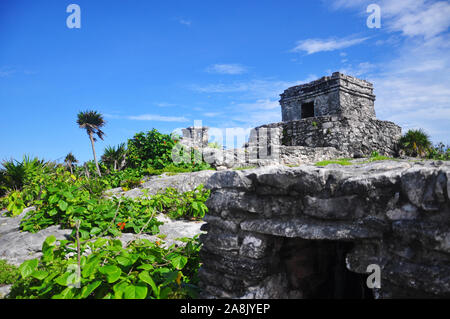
(332, 117)
(328, 118)
(319, 232)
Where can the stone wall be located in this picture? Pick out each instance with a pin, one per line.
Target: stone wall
(353, 138)
(310, 232)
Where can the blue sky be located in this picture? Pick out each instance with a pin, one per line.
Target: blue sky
(164, 64)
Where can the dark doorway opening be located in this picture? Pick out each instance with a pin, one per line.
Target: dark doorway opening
(317, 270)
(307, 110)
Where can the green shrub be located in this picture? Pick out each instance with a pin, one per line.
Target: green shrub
(8, 273)
(415, 143)
(188, 205)
(439, 152)
(107, 269)
(117, 178)
(152, 149)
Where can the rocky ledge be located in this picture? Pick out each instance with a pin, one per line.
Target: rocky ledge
(315, 232)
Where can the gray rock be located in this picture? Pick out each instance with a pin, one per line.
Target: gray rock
(396, 214)
(182, 182)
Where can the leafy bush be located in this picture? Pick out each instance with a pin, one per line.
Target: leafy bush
(8, 273)
(66, 201)
(150, 149)
(189, 205)
(118, 178)
(107, 269)
(439, 152)
(415, 143)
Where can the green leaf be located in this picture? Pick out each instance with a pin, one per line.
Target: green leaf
(65, 294)
(52, 212)
(135, 292)
(124, 261)
(145, 277)
(112, 272)
(91, 267)
(62, 205)
(49, 242)
(28, 267)
(53, 199)
(179, 261)
(100, 242)
(95, 230)
(119, 289)
(87, 290)
(39, 274)
(68, 195)
(146, 267)
(63, 279)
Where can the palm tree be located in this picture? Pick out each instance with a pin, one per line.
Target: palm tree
(92, 121)
(415, 143)
(70, 160)
(115, 157)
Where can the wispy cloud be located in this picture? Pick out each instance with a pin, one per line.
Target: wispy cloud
(251, 89)
(410, 17)
(227, 69)
(311, 46)
(185, 22)
(6, 71)
(164, 104)
(413, 87)
(158, 118)
(211, 114)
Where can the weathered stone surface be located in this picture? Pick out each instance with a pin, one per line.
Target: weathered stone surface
(17, 246)
(395, 214)
(310, 229)
(255, 246)
(183, 182)
(229, 179)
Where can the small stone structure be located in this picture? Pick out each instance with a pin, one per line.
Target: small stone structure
(312, 232)
(195, 136)
(338, 95)
(332, 115)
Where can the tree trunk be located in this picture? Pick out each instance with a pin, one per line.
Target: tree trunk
(70, 166)
(95, 155)
(86, 170)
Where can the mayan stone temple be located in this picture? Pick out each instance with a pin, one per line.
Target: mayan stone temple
(331, 117)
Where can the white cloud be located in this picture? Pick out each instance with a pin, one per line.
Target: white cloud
(412, 88)
(252, 89)
(211, 114)
(185, 22)
(410, 17)
(159, 118)
(311, 46)
(164, 104)
(226, 69)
